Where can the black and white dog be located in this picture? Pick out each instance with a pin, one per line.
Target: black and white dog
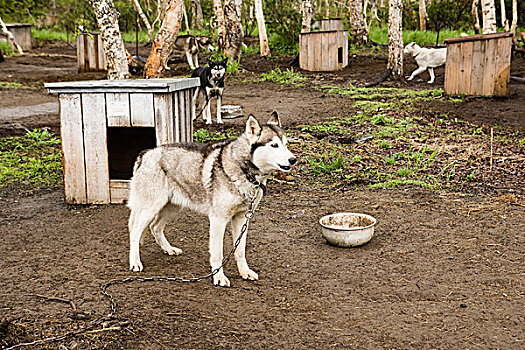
(212, 85)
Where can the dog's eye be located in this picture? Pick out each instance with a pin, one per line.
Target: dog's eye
(274, 145)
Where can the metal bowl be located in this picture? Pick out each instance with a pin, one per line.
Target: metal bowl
(347, 229)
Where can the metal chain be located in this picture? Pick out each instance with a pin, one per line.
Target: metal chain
(250, 213)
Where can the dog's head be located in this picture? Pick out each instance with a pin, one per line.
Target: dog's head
(411, 48)
(268, 145)
(205, 43)
(218, 68)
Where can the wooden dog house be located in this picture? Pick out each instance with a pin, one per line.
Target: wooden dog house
(324, 50)
(478, 65)
(331, 24)
(90, 53)
(22, 34)
(106, 124)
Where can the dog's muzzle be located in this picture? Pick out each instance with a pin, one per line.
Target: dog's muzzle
(291, 161)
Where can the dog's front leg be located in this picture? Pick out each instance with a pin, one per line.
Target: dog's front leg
(190, 60)
(217, 227)
(417, 72)
(207, 112)
(432, 76)
(196, 60)
(219, 106)
(240, 254)
(194, 103)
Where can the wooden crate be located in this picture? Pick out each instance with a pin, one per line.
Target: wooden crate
(22, 34)
(478, 65)
(331, 24)
(90, 53)
(106, 124)
(324, 51)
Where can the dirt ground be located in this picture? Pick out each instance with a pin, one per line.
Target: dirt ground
(443, 271)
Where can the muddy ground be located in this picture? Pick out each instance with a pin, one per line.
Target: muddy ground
(443, 271)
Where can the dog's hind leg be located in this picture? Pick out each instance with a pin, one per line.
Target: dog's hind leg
(432, 76)
(219, 106)
(417, 72)
(138, 223)
(190, 60)
(157, 229)
(240, 254)
(217, 228)
(196, 60)
(194, 103)
(206, 106)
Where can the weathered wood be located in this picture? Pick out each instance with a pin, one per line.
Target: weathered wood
(118, 112)
(476, 37)
(90, 53)
(129, 86)
(21, 33)
(73, 149)
(119, 191)
(141, 106)
(164, 123)
(491, 51)
(502, 77)
(331, 24)
(95, 142)
(323, 51)
(478, 61)
(465, 67)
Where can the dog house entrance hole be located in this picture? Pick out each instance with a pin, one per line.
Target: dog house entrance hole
(124, 145)
(340, 55)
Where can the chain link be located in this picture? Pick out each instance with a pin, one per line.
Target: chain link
(250, 213)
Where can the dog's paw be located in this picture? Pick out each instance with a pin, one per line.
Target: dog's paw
(410, 78)
(430, 81)
(221, 280)
(136, 266)
(208, 122)
(173, 251)
(220, 121)
(249, 275)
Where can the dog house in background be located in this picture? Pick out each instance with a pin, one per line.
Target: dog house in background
(90, 53)
(22, 34)
(106, 124)
(324, 50)
(478, 65)
(331, 24)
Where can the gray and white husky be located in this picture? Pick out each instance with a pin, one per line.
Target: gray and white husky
(213, 179)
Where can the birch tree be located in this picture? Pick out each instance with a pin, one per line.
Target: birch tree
(515, 22)
(10, 37)
(219, 15)
(357, 25)
(422, 15)
(475, 15)
(163, 42)
(234, 35)
(261, 25)
(107, 20)
(143, 17)
(395, 39)
(488, 10)
(198, 18)
(307, 11)
(504, 21)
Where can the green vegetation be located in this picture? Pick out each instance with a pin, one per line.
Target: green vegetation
(10, 85)
(34, 159)
(284, 77)
(204, 136)
(5, 48)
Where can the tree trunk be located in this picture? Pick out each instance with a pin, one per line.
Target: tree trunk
(475, 15)
(422, 15)
(357, 26)
(234, 35)
(263, 39)
(198, 18)
(10, 37)
(395, 39)
(515, 22)
(219, 14)
(307, 11)
(488, 10)
(142, 16)
(504, 21)
(327, 9)
(163, 43)
(107, 18)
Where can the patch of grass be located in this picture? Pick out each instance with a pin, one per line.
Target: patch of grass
(405, 182)
(380, 35)
(10, 85)
(51, 35)
(328, 163)
(284, 77)
(205, 136)
(32, 159)
(5, 48)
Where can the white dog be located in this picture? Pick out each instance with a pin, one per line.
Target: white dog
(426, 59)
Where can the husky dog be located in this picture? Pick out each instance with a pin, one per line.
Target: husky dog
(426, 59)
(191, 45)
(216, 180)
(212, 84)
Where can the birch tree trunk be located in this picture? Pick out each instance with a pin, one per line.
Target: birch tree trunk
(198, 18)
(107, 19)
(515, 22)
(422, 15)
(307, 11)
(488, 10)
(327, 8)
(221, 30)
(234, 35)
(395, 39)
(475, 15)
(163, 43)
(142, 16)
(10, 37)
(263, 39)
(357, 25)
(504, 21)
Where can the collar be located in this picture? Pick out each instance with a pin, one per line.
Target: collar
(250, 170)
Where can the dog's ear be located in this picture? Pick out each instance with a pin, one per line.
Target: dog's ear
(253, 129)
(274, 119)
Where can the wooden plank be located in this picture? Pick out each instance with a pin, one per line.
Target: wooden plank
(478, 63)
(332, 51)
(81, 60)
(90, 53)
(164, 118)
(325, 43)
(178, 98)
(72, 149)
(491, 51)
(312, 42)
(126, 85)
(96, 150)
(501, 85)
(119, 191)
(465, 67)
(478, 37)
(345, 49)
(189, 131)
(101, 64)
(303, 52)
(117, 107)
(452, 69)
(191, 92)
(141, 107)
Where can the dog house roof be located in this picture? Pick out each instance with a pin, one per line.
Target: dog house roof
(128, 85)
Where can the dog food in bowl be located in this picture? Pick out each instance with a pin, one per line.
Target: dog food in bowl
(347, 229)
